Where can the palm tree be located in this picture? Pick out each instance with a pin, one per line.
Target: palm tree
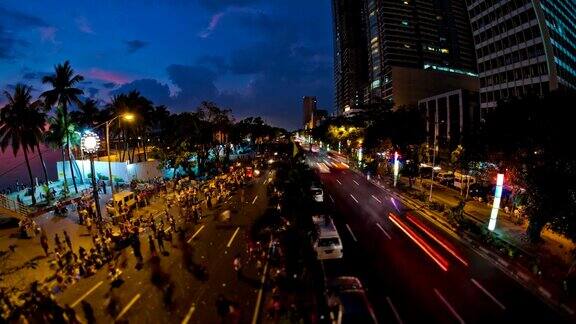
(20, 126)
(87, 114)
(41, 120)
(63, 93)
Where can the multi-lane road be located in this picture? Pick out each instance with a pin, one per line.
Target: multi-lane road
(414, 272)
(215, 244)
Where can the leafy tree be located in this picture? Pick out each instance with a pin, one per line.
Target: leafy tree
(531, 138)
(20, 126)
(63, 94)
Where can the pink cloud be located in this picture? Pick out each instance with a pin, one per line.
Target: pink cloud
(108, 76)
(48, 34)
(214, 21)
(84, 25)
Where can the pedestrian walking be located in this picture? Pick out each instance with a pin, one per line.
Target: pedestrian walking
(44, 242)
(70, 314)
(160, 239)
(88, 312)
(152, 246)
(237, 265)
(67, 240)
(57, 242)
(88, 222)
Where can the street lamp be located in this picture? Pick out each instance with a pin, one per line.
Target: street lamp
(90, 144)
(127, 117)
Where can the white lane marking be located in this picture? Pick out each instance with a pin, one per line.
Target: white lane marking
(339, 181)
(329, 195)
(452, 310)
(233, 236)
(253, 201)
(196, 234)
(384, 231)
(477, 284)
(398, 319)
(86, 294)
(189, 314)
(356, 200)
(128, 306)
(356, 182)
(260, 291)
(375, 198)
(351, 233)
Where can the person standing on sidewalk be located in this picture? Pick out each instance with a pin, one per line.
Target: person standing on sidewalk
(44, 242)
(160, 239)
(152, 246)
(57, 242)
(67, 240)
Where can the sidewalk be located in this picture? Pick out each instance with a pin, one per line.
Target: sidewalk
(29, 263)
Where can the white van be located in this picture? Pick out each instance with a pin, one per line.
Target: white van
(123, 198)
(317, 194)
(463, 180)
(328, 244)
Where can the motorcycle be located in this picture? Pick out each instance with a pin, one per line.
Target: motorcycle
(60, 210)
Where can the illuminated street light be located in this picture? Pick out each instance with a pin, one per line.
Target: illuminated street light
(396, 168)
(90, 143)
(496, 204)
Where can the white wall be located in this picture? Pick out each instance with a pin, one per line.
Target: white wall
(141, 171)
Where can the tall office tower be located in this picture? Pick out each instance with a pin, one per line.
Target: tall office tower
(523, 47)
(308, 108)
(418, 48)
(350, 54)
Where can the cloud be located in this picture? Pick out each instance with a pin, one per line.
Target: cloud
(135, 45)
(109, 85)
(219, 5)
(108, 76)
(10, 42)
(83, 25)
(152, 89)
(20, 19)
(196, 83)
(34, 75)
(48, 34)
(212, 25)
(215, 62)
(92, 91)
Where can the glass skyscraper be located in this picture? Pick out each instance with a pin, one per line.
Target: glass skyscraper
(523, 47)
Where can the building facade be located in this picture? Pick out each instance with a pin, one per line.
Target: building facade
(523, 47)
(308, 109)
(350, 54)
(450, 117)
(422, 35)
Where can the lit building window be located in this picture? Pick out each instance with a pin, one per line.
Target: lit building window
(404, 22)
(375, 84)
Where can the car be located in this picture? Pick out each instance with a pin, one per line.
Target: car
(479, 191)
(317, 194)
(347, 301)
(327, 244)
(445, 178)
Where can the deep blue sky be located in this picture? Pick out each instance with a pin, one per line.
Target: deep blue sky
(256, 57)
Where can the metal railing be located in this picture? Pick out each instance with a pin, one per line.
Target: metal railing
(15, 206)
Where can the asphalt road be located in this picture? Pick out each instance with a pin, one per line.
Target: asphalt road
(215, 244)
(403, 282)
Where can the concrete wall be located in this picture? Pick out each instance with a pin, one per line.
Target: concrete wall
(124, 170)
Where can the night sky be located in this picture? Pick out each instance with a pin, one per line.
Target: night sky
(255, 57)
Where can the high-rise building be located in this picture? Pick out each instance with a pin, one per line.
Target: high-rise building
(308, 109)
(420, 43)
(350, 54)
(523, 47)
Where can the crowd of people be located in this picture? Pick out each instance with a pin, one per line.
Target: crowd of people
(70, 263)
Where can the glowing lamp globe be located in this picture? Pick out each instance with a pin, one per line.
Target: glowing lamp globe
(90, 142)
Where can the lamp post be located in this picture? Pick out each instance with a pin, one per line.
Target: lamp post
(90, 144)
(127, 117)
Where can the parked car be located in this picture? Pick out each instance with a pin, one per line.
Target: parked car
(347, 301)
(479, 191)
